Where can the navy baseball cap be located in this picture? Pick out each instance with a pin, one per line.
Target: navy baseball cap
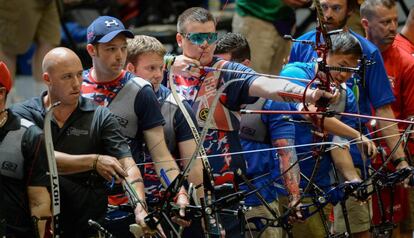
(104, 28)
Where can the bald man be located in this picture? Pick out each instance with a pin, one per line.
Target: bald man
(91, 135)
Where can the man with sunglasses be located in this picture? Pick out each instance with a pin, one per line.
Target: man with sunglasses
(24, 198)
(196, 36)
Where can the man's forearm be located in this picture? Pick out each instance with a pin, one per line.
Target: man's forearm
(195, 175)
(343, 162)
(160, 155)
(290, 170)
(134, 178)
(390, 131)
(336, 127)
(275, 89)
(164, 161)
(170, 168)
(70, 164)
(39, 203)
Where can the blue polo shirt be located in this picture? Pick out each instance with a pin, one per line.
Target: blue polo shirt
(267, 162)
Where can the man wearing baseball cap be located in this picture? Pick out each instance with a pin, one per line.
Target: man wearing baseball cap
(24, 197)
(105, 28)
(130, 98)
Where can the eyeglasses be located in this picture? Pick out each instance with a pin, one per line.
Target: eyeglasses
(199, 38)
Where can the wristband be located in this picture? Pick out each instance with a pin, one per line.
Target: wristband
(171, 169)
(396, 162)
(95, 162)
(138, 180)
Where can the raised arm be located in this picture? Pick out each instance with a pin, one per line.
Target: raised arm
(280, 90)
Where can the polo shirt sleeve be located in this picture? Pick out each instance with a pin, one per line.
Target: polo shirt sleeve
(238, 92)
(294, 53)
(148, 109)
(278, 127)
(377, 81)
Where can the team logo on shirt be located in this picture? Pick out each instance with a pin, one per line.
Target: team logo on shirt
(203, 114)
(122, 121)
(10, 166)
(76, 132)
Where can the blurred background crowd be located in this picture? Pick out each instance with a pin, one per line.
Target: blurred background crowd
(149, 17)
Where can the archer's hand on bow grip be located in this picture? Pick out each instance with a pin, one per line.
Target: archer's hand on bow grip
(314, 95)
(369, 146)
(296, 214)
(182, 201)
(185, 67)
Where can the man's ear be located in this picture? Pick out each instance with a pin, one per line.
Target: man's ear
(179, 39)
(46, 78)
(349, 13)
(246, 62)
(130, 67)
(365, 23)
(91, 50)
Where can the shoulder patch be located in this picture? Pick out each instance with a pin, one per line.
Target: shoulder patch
(26, 123)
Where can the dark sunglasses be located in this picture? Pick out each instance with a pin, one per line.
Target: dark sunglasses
(199, 38)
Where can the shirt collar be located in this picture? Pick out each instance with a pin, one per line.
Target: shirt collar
(12, 122)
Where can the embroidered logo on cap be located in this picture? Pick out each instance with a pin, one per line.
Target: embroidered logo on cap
(111, 23)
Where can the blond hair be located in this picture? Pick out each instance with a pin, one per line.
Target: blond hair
(142, 44)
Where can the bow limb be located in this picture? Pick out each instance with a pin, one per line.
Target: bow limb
(209, 196)
(324, 77)
(53, 172)
(194, 130)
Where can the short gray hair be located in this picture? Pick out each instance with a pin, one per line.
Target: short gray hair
(194, 14)
(368, 10)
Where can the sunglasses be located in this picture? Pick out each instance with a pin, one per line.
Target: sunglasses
(199, 38)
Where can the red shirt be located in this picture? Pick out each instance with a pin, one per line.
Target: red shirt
(403, 43)
(400, 70)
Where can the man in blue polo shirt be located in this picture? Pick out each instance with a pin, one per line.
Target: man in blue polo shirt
(375, 79)
(345, 51)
